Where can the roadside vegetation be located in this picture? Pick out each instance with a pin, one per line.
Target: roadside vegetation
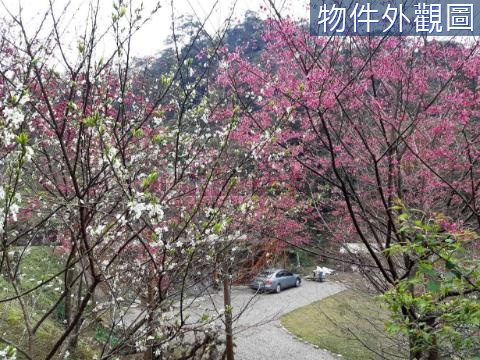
(38, 264)
(348, 323)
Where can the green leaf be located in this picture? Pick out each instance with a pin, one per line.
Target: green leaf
(457, 273)
(11, 352)
(92, 120)
(72, 106)
(392, 327)
(149, 180)
(13, 99)
(22, 139)
(158, 139)
(137, 132)
(449, 265)
(433, 286)
(403, 217)
(217, 228)
(122, 12)
(81, 47)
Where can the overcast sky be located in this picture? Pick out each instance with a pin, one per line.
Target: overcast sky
(151, 38)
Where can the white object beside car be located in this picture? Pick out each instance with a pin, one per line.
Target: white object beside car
(320, 273)
(325, 270)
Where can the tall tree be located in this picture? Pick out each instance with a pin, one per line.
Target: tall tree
(369, 122)
(121, 170)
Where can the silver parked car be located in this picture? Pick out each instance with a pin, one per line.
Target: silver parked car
(275, 280)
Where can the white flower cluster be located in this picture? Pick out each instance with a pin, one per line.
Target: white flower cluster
(28, 153)
(223, 65)
(157, 121)
(14, 117)
(159, 233)
(245, 206)
(138, 206)
(210, 212)
(12, 209)
(212, 238)
(115, 162)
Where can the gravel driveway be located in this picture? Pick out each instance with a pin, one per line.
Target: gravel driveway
(258, 332)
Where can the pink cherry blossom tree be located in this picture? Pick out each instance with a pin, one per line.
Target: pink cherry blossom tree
(358, 125)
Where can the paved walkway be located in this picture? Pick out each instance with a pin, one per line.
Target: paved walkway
(258, 332)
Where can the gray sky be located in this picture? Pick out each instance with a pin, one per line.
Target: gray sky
(150, 39)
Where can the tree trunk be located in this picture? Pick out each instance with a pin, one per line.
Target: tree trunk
(227, 302)
(67, 312)
(433, 353)
(415, 354)
(148, 354)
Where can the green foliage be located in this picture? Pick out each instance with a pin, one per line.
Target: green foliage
(92, 120)
(12, 99)
(437, 305)
(8, 353)
(228, 309)
(72, 106)
(137, 132)
(12, 322)
(275, 189)
(122, 11)
(104, 335)
(217, 228)
(165, 80)
(81, 47)
(305, 259)
(149, 180)
(159, 139)
(22, 139)
(38, 263)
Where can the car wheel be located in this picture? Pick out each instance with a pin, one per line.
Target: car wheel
(278, 289)
(297, 283)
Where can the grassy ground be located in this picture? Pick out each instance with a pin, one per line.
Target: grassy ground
(347, 323)
(40, 263)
